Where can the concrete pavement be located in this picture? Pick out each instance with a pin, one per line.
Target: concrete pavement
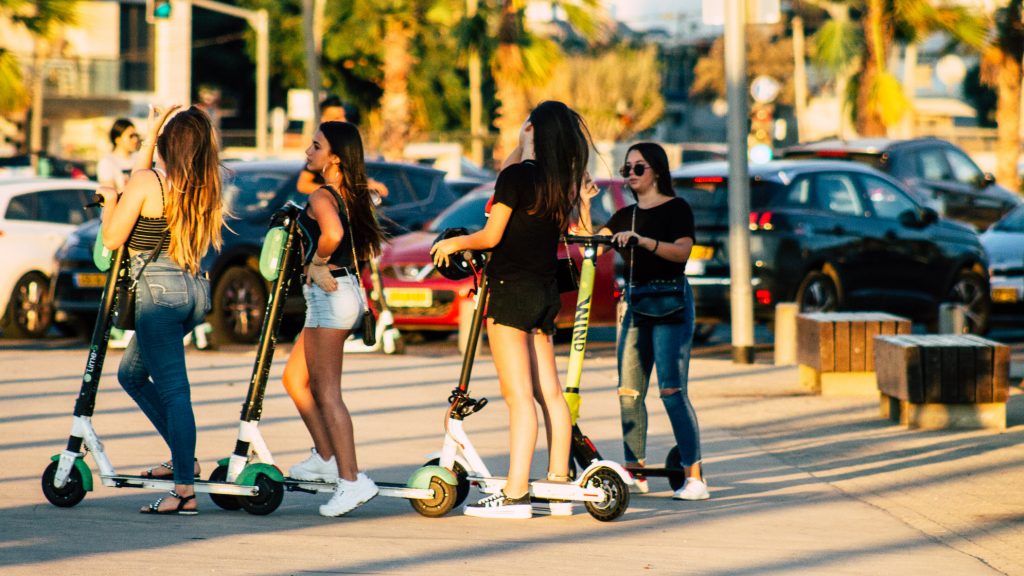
(800, 484)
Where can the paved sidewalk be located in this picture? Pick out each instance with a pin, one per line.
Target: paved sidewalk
(800, 484)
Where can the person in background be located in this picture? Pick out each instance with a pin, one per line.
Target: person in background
(115, 168)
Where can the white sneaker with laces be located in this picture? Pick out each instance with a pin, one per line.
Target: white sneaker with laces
(315, 468)
(693, 489)
(501, 506)
(640, 484)
(349, 495)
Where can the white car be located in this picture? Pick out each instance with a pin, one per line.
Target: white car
(1004, 245)
(36, 217)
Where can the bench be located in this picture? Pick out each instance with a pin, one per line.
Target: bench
(943, 382)
(835, 350)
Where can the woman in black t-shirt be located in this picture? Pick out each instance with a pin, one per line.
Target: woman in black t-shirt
(536, 192)
(664, 229)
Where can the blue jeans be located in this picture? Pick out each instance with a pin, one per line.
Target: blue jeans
(170, 304)
(666, 348)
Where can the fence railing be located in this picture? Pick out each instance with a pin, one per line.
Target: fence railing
(92, 77)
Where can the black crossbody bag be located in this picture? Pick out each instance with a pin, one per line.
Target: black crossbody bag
(655, 299)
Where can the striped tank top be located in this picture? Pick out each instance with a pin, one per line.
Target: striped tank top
(147, 231)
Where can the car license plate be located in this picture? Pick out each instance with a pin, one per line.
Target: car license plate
(702, 253)
(1004, 295)
(409, 297)
(90, 280)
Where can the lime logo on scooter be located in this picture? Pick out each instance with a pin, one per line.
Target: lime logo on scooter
(90, 365)
(579, 327)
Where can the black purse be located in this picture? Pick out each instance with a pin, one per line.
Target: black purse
(655, 299)
(369, 320)
(124, 316)
(567, 275)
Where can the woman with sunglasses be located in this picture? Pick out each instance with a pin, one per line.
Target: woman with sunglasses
(114, 169)
(663, 227)
(536, 193)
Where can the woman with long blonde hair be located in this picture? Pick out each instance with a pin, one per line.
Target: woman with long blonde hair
(169, 215)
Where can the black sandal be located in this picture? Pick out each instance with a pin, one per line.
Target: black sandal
(154, 508)
(169, 465)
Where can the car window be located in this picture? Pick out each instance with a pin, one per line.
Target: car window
(400, 187)
(22, 207)
(964, 169)
(251, 193)
(887, 200)
(1013, 222)
(467, 212)
(798, 195)
(932, 165)
(837, 193)
(62, 207)
(712, 192)
(601, 211)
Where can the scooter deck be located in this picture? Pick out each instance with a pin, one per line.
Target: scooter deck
(656, 471)
(203, 486)
(389, 489)
(544, 489)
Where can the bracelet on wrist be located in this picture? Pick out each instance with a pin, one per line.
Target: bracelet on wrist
(656, 244)
(319, 260)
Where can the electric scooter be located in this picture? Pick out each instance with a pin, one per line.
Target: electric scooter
(603, 486)
(431, 489)
(584, 452)
(389, 339)
(67, 478)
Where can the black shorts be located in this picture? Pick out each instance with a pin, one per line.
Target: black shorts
(524, 304)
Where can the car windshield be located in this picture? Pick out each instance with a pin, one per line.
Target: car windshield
(467, 212)
(1013, 222)
(250, 193)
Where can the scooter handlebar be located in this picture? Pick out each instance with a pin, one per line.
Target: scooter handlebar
(595, 240)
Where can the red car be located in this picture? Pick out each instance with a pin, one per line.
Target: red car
(423, 300)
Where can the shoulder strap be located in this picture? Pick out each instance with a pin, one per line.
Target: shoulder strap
(343, 209)
(163, 201)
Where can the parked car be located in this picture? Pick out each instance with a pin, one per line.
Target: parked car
(422, 300)
(36, 216)
(252, 191)
(941, 175)
(1004, 244)
(21, 167)
(832, 236)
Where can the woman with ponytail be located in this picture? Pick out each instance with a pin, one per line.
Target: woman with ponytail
(169, 215)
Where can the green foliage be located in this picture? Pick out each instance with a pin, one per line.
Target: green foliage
(888, 98)
(982, 97)
(13, 95)
(837, 44)
(768, 54)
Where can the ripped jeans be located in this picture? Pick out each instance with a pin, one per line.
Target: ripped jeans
(665, 348)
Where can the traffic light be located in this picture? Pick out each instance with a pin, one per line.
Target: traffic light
(157, 9)
(761, 117)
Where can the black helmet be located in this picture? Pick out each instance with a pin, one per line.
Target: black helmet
(460, 265)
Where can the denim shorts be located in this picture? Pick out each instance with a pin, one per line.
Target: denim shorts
(527, 305)
(341, 309)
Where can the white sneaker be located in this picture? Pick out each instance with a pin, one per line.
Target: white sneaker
(349, 495)
(501, 506)
(693, 489)
(315, 469)
(640, 484)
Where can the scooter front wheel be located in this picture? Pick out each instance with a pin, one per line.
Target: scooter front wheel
(67, 496)
(270, 497)
(616, 494)
(442, 503)
(225, 501)
(462, 490)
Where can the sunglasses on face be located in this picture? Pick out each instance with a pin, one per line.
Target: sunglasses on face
(637, 168)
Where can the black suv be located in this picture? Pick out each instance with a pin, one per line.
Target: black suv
(252, 192)
(938, 173)
(832, 236)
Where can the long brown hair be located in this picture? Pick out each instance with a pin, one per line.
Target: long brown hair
(346, 144)
(561, 144)
(192, 203)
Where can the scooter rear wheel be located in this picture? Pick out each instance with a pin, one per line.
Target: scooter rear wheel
(67, 496)
(672, 462)
(616, 494)
(462, 490)
(225, 501)
(271, 495)
(443, 501)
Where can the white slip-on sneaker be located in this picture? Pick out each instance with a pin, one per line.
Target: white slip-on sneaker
(349, 495)
(693, 489)
(640, 484)
(501, 506)
(315, 469)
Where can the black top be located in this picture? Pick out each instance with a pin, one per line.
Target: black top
(310, 229)
(528, 249)
(666, 223)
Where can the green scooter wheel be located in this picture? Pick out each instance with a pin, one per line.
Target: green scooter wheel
(443, 501)
(225, 501)
(462, 490)
(68, 495)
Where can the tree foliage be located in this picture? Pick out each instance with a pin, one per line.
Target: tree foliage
(41, 18)
(769, 53)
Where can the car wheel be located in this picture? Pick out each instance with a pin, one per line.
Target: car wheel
(818, 293)
(971, 291)
(29, 313)
(239, 304)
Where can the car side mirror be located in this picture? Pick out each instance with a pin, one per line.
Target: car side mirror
(987, 179)
(929, 216)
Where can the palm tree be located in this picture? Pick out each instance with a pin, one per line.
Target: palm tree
(1001, 68)
(842, 46)
(40, 18)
